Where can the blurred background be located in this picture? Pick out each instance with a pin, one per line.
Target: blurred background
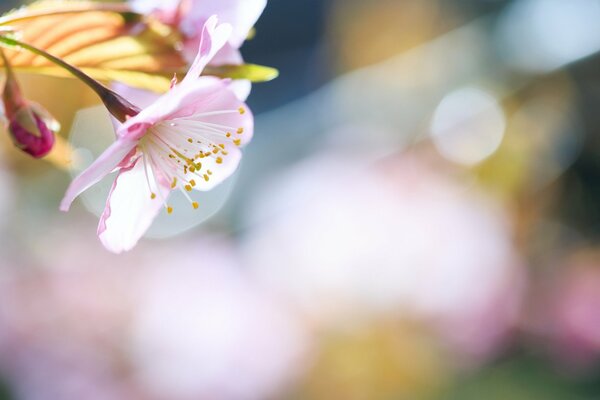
(416, 218)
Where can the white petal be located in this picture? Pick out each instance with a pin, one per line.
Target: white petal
(129, 210)
(104, 165)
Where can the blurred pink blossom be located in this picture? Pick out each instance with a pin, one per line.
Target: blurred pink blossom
(348, 242)
(174, 323)
(568, 311)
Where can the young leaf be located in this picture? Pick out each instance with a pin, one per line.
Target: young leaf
(252, 72)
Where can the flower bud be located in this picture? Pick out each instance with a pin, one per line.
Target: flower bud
(31, 127)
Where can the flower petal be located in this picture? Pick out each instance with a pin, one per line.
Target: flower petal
(241, 88)
(129, 210)
(228, 100)
(181, 101)
(212, 39)
(116, 154)
(241, 14)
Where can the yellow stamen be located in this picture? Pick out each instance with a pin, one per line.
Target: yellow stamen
(242, 110)
(195, 205)
(240, 131)
(170, 210)
(219, 160)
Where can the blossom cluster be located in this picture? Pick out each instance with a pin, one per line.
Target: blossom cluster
(187, 139)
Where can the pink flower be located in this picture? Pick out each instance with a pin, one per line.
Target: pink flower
(190, 15)
(188, 139)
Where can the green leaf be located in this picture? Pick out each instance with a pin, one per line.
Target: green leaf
(251, 72)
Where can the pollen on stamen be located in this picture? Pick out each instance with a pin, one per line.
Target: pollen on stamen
(191, 140)
(188, 188)
(228, 134)
(153, 196)
(206, 177)
(195, 205)
(174, 183)
(209, 172)
(240, 131)
(219, 160)
(242, 110)
(222, 146)
(169, 210)
(193, 183)
(237, 142)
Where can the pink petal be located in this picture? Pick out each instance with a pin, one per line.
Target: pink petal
(241, 14)
(228, 100)
(140, 97)
(181, 101)
(212, 39)
(116, 154)
(129, 210)
(228, 55)
(241, 88)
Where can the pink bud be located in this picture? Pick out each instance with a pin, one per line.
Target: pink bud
(32, 129)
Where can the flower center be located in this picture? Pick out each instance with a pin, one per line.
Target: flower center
(182, 151)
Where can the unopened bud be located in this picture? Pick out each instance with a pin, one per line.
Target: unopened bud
(32, 129)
